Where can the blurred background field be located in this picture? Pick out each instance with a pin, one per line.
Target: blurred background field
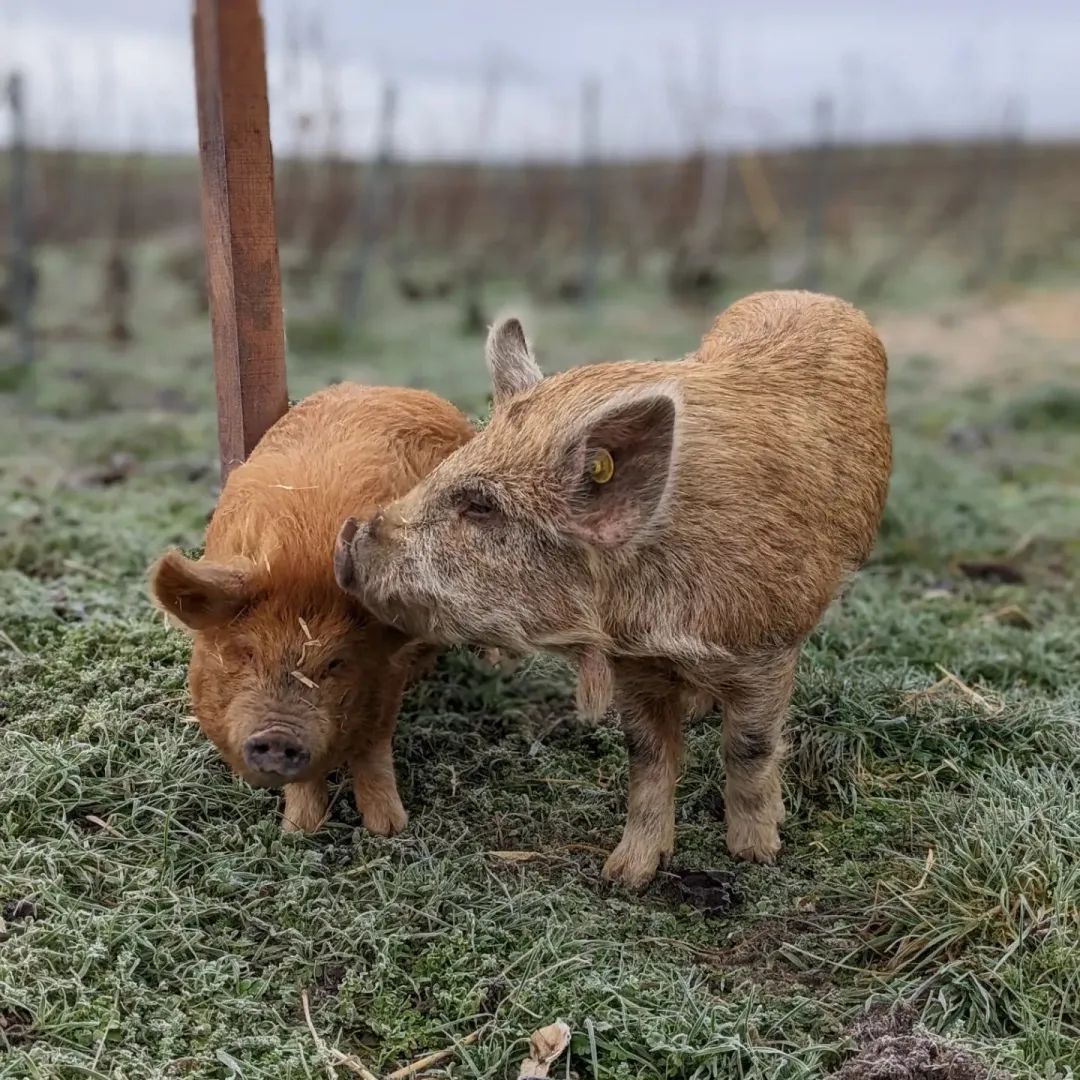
(617, 177)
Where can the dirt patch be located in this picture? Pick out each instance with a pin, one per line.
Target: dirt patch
(981, 340)
(119, 468)
(16, 910)
(890, 1049)
(15, 1025)
(759, 946)
(992, 572)
(496, 992)
(329, 981)
(1052, 315)
(712, 892)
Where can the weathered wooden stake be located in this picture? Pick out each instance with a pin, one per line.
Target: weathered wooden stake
(590, 170)
(1002, 185)
(378, 179)
(814, 268)
(243, 276)
(22, 265)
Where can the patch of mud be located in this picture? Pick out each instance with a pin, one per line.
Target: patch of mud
(712, 892)
(889, 1048)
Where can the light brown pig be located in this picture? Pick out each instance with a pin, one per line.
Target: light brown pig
(677, 528)
(290, 677)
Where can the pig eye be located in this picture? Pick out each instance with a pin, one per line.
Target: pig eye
(476, 507)
(334, 665)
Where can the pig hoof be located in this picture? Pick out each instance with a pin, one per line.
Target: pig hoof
(753, 841)
(634, 866)
(386, 820)
(503, 662)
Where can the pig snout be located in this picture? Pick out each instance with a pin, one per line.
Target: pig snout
(276, 754)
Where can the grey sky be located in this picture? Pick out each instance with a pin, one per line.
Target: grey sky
(118, 72)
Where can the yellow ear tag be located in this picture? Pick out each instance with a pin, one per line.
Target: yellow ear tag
(602, 468)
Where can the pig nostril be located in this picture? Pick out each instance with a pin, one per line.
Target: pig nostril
(349, 530)
(276, 755)
(344, 571)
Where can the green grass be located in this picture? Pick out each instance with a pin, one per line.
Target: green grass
(931, 850)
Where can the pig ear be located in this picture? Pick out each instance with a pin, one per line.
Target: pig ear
(199, 593)
(621, 468)
(510, 360)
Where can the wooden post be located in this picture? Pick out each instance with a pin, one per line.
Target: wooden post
(373, 197)
(22, 264)
(590, 169)
(814, 267)
(243, 276)
(1003, 172)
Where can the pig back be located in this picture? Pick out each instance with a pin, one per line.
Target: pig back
(783, 463)
(345, 450)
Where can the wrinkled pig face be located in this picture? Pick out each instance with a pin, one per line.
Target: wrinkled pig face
(281, 684)
(452, 563)
(503, 543)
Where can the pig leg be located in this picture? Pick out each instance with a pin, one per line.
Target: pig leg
(305, 806)
(372, 760)
(755, 706)
(375, 788)
(424, 663)
(652, 708)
